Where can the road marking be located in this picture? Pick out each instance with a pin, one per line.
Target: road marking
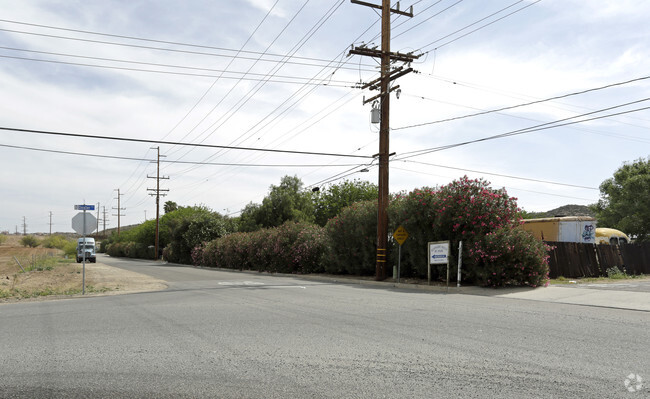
(257, 284)
(239, 283)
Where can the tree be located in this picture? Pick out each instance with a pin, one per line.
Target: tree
(329, 203)
(248, 219)
(286, 202)
(170, 206)
(624, 202)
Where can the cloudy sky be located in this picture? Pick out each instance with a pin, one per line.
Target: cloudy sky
(192, 77)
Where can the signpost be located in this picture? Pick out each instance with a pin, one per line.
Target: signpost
(400, 235)
(438, 255)
(84, 224)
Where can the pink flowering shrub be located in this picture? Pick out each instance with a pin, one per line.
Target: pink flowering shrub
(290, 248)
(353, 240)
(230, 251)
(465, 209)
(509, 256)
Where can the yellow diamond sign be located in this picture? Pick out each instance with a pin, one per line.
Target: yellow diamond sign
(400, 235)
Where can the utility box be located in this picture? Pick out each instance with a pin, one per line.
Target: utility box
(563, 229)
(375, 115)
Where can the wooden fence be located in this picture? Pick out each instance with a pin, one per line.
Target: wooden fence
(572, 259)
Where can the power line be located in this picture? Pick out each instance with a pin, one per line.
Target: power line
(203, 96)
(503, 175)
(306, 90)
(544, 126)
(235, 108)
(281, 56)
(151, 64)
(244, 100)
(526, 104)
(509, 188)
(88, 136)
(479, 28)
(201, 75)
(427, 19)
(174, 161)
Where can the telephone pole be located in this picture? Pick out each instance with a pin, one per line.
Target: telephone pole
(24, 226)
(119, 210)
(387, 75)
(157, 194)
(104, 220)
(50, 222)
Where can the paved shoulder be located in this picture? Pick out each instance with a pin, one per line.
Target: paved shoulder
(610, 298)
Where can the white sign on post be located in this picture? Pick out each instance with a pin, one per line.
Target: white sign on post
(438, 255)
(439, 252)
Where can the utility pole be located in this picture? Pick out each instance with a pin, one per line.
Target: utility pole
(119, 210)
(157, 194)
(24, 226)
(383, 84)
(50, 222)
(104, 220)
(97, 227)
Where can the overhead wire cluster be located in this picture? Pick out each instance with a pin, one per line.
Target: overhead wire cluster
(319, 73)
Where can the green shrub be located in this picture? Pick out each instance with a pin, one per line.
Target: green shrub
(291, 248)
(615, 273)
(70, 249)
(30, 241)
(180, 231)
(56, 241)
(3, 238)
(190, 232)
(509, 256)
(352, 237)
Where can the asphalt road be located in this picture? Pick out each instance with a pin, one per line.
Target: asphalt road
(241, 335)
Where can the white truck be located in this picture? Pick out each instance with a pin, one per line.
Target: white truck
(563, 229)
(86, 247)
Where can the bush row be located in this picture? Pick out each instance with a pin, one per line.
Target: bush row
(180, 231)
(290, 248)
(496, 252)
(130, 249)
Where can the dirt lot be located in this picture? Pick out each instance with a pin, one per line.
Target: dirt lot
(48, 276)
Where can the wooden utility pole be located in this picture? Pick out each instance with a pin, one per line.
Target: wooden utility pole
(157, 194)
(383, 84)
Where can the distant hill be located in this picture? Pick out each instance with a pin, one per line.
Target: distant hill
(566, 210)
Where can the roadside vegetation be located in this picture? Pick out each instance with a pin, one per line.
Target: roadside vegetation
(333, 231)
(39, 268)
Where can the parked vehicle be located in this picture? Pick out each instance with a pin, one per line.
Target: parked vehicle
(563, 229)
(87, 247)
(606, 235)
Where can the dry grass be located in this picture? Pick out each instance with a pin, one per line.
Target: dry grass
(48, 274)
